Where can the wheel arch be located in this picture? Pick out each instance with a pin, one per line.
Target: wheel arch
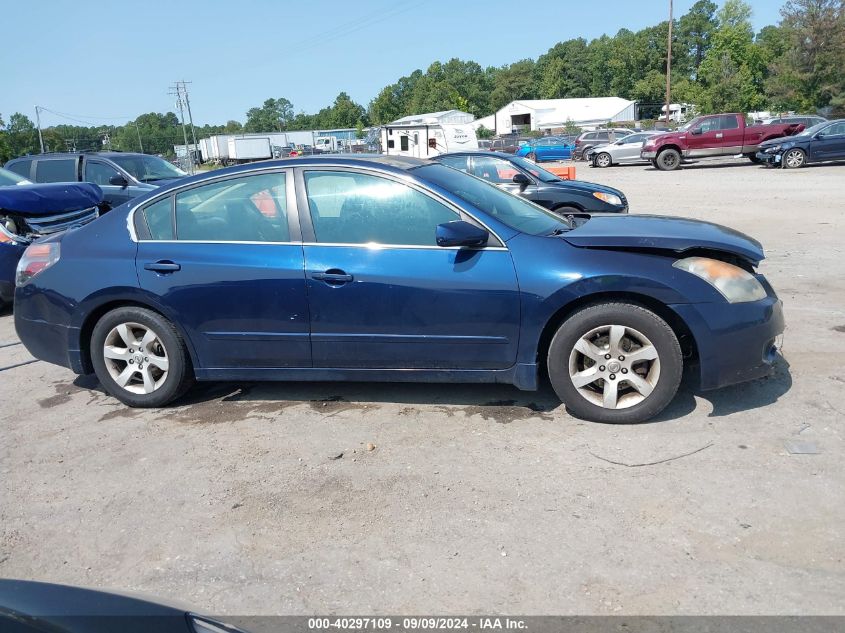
(682, 331)
(673, 146)
(94, 315)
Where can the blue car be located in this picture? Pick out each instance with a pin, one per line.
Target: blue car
(394, 269)
(548, 148)
(824, 141)
(29, 212)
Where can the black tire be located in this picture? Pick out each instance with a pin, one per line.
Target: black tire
(668, 160)
(179, 376)
(799, 160)
(638, 318)
(602, 157)
(753, 158)
(532, 157)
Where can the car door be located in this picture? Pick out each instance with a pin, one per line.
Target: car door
(829, 143)
(705, 139)
(628, 149)
(224, 258)
(382, 294)
(101, 173)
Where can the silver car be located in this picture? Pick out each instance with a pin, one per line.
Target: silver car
(625, 150)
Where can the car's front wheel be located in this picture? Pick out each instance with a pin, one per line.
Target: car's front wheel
(140, 358)
(668, 160)
(794, 158)
(532, 156)
(603, 160)
(615, 362)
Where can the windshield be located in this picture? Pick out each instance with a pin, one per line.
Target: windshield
(812, 130)
(686, 127)
(534, 170)
(148, 168)
(11, 178)
(508, 209)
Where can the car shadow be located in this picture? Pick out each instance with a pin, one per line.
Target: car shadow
(5, 309)
(501, 403)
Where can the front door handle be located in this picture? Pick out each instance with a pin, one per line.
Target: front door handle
(332, 276)
(162, 267)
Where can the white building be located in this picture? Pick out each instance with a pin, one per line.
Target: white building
(445, 117)
(543, 114)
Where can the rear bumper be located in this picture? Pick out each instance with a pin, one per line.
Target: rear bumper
(50, 342)
(735, 342)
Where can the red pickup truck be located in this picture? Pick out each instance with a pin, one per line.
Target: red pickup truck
(710, 136)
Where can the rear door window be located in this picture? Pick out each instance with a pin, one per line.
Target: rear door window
(21, 168)
(728, 122)
(456, 162)
(56, 170)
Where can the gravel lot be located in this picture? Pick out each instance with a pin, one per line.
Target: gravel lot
(474, 498)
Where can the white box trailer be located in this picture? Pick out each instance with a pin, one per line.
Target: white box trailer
(427, 140)
(249, 148)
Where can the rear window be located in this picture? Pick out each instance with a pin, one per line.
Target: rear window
(21, 168)
(58, 170)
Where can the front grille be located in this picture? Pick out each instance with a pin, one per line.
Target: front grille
(47, 225)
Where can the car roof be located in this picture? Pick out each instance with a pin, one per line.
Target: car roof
(105, 154)
(474, 153)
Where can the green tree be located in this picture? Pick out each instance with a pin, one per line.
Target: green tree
(695, 33)
(483, 132)
(513, 82)
(809, 75)
(21, 135)
(274, 115)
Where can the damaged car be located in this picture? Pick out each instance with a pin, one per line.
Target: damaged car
(395, 269)
(29, 212)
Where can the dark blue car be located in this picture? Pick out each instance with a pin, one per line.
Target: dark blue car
(823, 142)
(331, 268)
(29, 212)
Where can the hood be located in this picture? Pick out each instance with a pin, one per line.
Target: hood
(584, 187)
(49, 199)
(780, 140)
(649, 232)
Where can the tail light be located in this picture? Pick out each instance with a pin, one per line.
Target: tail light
(36, 259)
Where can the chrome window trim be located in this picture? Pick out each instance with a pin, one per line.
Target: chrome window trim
(404, 177)
(368, 246)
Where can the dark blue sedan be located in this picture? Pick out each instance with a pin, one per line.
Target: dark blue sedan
(823, 142)
(331, 268)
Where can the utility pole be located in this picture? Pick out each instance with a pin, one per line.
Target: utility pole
(177, 92)
(669, 66)
(188, 105)
(138, 130)
(40, 137)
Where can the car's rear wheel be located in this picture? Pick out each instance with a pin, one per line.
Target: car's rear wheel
(668, 159)
(603, 160)
(615, 362)
(140, 358)
(794, 158)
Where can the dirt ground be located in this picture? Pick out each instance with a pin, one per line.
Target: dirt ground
(264, 498)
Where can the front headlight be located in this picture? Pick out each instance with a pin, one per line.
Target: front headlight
(607, 197)
(773, 149)
(735, 284)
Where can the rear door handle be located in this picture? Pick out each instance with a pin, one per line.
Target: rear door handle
(162, 267)
(719, 135)
(332, 277)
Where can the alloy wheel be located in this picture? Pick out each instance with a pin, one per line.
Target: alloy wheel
(794, 158)
(614, 366)
(603, 160)
(135, 358)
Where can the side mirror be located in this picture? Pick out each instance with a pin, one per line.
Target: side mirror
(820, 136)
(460, 233)
(118, 181)
(697, 131)
(522, 180)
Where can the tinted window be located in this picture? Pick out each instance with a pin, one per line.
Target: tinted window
(403, 143)
(62, 170)
(21, 168)
(159, 219)
(457, 162)
(99, 173)
(247, 209)
(728, 122)
(603, 136)
(634, 138)
(350, 208)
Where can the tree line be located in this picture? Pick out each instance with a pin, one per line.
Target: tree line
(718, 63)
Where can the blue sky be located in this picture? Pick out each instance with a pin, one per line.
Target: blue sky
(239, 53)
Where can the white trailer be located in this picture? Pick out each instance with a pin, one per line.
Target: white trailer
(245, 149)
(427, 140)
(326, 143)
